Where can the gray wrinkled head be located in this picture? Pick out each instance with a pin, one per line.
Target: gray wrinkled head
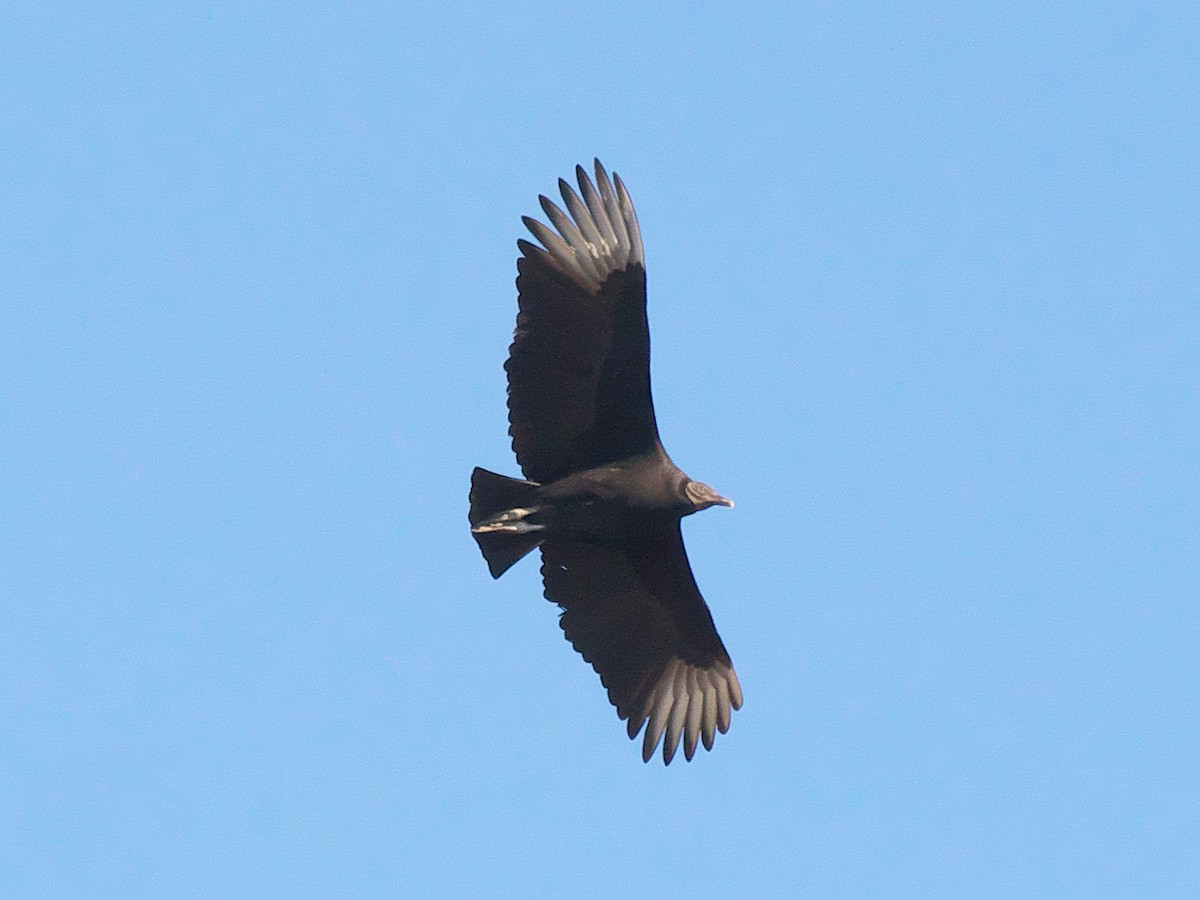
(702, 496)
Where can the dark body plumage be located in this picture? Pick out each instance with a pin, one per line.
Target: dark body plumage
(603, 500)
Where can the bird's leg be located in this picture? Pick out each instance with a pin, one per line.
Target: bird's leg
(512, 521)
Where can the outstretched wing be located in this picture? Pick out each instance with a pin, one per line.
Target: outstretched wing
(634, 612)
(579, 365)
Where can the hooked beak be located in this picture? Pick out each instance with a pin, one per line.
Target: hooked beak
(702, 496)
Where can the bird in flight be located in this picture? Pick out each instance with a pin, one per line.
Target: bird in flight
(601, 499)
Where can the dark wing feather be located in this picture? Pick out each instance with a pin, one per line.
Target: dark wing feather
(635, 613)
(579, 365)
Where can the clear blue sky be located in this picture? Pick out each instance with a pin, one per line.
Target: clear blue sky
(925, 299)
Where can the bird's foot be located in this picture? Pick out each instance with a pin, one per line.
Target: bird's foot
(511, 521)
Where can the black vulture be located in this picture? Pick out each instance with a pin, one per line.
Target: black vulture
(603, 500)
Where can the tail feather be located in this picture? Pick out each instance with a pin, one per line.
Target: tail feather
(498, 507)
